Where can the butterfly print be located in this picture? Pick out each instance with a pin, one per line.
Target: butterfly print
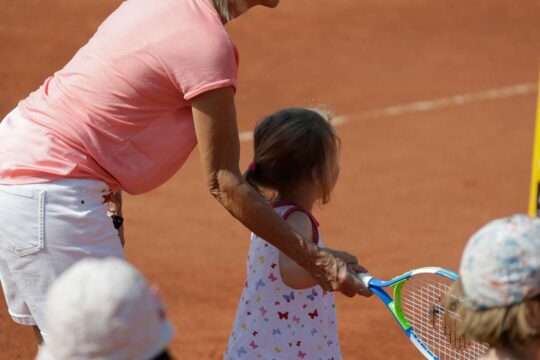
(241, 351)
(312, 295)
(289, 297)
(283, 315)
(272, 316)
(259, 284)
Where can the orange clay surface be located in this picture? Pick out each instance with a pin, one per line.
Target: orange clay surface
(413, 186)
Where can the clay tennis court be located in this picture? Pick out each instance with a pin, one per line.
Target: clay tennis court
(416, 178)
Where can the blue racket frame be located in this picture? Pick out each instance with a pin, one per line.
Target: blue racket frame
(393, 303)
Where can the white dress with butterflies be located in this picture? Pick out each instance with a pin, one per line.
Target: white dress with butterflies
(274, 321)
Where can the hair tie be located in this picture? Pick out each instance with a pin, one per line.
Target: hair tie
(252, 166)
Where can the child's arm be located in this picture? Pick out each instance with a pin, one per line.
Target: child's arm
(294, 275)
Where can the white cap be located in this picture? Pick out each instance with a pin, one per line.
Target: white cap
(104, 309)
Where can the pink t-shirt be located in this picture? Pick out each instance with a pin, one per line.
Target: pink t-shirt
(120, 110)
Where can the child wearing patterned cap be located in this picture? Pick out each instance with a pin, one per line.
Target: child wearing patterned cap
(283, 314)
(500, 289)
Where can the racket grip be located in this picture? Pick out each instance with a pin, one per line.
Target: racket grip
(365, 278)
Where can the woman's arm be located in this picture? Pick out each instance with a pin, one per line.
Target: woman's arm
(292, 274)
(214, 114)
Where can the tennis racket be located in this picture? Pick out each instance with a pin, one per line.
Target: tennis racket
(417, 306)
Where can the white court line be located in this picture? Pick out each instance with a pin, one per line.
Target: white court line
(428, 105)
(246, 136)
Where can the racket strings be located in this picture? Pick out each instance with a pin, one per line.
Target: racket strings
(421, 302)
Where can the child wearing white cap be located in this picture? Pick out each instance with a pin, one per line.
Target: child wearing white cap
(500, 287)
(104, 309)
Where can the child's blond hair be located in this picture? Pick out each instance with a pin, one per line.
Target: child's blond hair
(502, 327)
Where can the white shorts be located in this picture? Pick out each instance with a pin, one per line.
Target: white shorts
(44, 229)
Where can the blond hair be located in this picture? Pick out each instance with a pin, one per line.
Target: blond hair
(223, 8)
(507, 327)
(229, 9)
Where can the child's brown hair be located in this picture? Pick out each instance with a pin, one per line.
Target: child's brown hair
(288, 146)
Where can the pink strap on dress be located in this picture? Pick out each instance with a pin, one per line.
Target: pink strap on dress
(294, 208)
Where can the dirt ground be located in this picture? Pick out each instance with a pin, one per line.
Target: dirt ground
(413, 186)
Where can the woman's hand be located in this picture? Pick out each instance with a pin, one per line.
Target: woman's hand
(337, 272)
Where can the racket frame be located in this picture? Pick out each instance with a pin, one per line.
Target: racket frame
(393, 303)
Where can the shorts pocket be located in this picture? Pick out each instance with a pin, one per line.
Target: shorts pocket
(21, 219)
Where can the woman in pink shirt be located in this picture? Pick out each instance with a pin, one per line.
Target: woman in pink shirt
(157, 78)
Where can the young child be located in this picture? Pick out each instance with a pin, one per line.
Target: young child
(282, 313)
(500, 287)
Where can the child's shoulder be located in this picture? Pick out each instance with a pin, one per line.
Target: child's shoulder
(301, 222)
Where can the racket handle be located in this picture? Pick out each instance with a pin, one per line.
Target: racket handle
(365, 278)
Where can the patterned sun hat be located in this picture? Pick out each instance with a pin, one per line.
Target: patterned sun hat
(500, 265)
(104, 309)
